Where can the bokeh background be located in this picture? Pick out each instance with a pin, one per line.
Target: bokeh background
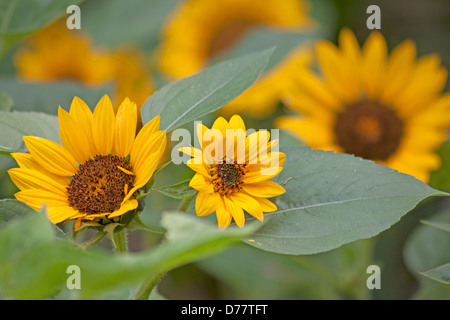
(243, 272)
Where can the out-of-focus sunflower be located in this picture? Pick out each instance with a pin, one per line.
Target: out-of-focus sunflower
(232, 171)
(198, 30)
(386, 108)
(97, 170)
(56, 53)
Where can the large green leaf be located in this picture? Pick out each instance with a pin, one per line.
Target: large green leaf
(15, 125)
(35, 264)
(191, 98)
(332, 199)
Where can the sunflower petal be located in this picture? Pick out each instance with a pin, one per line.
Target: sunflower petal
(73, 137)
(206, 203)
(51, 156)
(249, 204)
(124, 208)
(103, 126)
(264, 189)
(126, 123)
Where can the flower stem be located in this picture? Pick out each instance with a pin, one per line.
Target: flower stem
(185, 204)
(94, 240)
(120, 241)
(149, 284)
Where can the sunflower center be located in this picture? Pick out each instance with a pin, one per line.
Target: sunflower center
(227, 177)
(100, 185)
(369, 130)
(227, 35)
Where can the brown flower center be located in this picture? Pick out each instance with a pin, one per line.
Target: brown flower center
(227, 35)
(227, 177)
(100, 185)
(369, 130)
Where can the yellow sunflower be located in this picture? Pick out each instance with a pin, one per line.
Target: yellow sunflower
(199, 30)
(386, 108)
(57, 53)
(99, 167)
(233, 171)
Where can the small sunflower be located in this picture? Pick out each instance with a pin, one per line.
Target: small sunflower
(233, 171)
(199, 30)
(97, 170)
(386, 108)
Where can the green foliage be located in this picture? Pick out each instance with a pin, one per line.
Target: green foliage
(332, 199)
(191, 98)
(19, 18)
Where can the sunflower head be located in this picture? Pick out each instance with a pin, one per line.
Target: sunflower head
(97, 171)
(200, 30)
(383, 107)
(233, 171)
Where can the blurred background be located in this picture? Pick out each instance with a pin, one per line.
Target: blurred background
(116, 52)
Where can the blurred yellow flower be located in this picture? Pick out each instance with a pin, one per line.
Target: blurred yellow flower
(386, 108)
(232, 171)
(97, 170)
(56, 53)
(200, 30)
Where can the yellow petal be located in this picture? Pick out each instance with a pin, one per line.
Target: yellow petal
(236, 122)
(374, 63)
(236, 212)
(81, 113)
(264, 189)
(126, 122)
(145, 157)
(37, 198)
(206, 203)
(200, 183)
(124, 208)
(266, 205)
(51, 156)
(61, 213)
(223, 217)
(248, 203)
(103, 126)
(32, 179)
(25, 160)
(73, 137)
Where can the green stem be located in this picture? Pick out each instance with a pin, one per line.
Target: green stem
(120, 241)
(149, 284)
(94, 240)
(185, 204)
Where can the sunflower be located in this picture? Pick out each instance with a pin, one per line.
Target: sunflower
(97, 170)
(57, 53)
(200, 30)
(232, 171)
(385, 108)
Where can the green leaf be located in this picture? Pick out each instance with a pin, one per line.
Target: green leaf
(34, 264)
(14, 125)
(332, 199)
(179, 190)
(440, 274)
(11, 209)
(426, 255)
(19, 18)
(191, 98)
(445, 226)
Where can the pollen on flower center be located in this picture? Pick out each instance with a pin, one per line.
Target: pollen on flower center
(369, 130)
(227, 177)
(100, 184)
